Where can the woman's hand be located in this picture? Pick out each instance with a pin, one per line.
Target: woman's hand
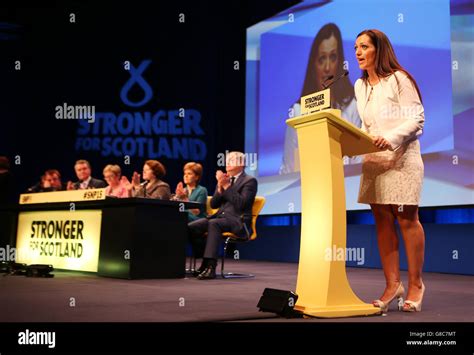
(181, 192)
(136, 179)
(195, 211)
(382, 143)
(124, 182)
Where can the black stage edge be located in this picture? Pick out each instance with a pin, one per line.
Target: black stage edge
(230, 337)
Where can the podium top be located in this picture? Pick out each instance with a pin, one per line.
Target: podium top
(354, 141)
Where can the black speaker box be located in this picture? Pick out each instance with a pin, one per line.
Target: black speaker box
(39, 270)
(17, 269)
(280, 302)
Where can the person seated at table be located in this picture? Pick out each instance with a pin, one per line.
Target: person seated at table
(234, 197)
(85, 180)
(39, 186)
(153, 186)
(53, 180)
(50, 181)
(112, 174)
(193, 192)
(6, 181)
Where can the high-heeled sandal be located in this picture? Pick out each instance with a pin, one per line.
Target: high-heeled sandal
(414, 306)
(398, 295)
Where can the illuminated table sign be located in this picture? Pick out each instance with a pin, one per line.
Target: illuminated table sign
(63, 196)
(65, 239)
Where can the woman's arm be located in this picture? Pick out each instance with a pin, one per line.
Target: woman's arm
(290, 145)
(410, 109)
(162, 192)
(202, 198)
(138, 192)
(359, 92)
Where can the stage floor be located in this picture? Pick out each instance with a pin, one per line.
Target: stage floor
(81, 297)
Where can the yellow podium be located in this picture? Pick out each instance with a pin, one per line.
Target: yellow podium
(322, 286)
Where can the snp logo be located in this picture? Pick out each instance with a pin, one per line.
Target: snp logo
(37, 338)
(137, 78)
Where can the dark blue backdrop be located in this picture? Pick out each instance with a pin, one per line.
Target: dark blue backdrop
(82, 63)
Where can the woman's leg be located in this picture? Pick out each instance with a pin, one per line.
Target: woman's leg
(388, 248)
(414, 238)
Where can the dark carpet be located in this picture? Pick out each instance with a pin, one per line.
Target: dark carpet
(81, 297)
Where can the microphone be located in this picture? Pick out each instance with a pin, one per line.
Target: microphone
(332, 80)
(329, 78)
(143, 184)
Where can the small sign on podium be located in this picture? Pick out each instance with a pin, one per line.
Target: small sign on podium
(63, 196)
(315, 102)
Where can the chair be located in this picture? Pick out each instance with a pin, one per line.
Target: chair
(232, 238)
(209, 210)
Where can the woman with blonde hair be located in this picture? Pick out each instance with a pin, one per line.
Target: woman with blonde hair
(112, 176)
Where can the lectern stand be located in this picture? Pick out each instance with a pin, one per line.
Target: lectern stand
(322, 286)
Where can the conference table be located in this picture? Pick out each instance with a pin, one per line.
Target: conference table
(84, 230)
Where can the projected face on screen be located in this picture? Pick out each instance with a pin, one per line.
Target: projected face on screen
(326, 64)
(326, 61)
(289, 59)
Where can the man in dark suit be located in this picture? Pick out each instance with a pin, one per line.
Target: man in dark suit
(234, 198)
(86, 181)
(50, 181)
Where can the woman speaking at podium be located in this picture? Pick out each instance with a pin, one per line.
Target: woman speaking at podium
(389, 103)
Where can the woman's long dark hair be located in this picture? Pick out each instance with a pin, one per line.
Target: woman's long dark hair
(386, 62)
(342, 92)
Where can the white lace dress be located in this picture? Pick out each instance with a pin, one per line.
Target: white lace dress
(389, 177)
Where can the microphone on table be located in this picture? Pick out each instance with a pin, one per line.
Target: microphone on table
(332, 80)
(143, 184)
